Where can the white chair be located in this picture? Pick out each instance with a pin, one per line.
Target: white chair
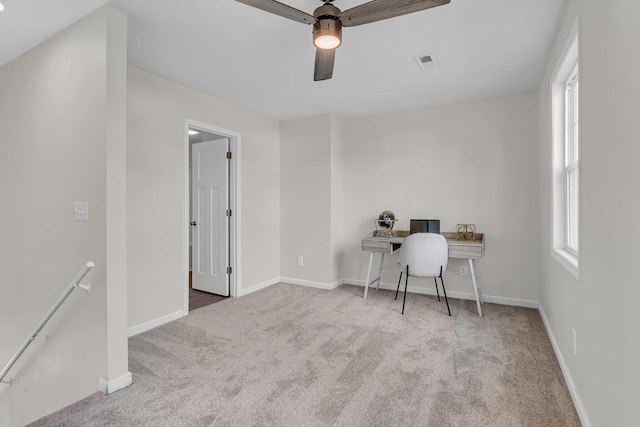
(424, 255)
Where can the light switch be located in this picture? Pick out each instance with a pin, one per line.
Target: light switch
(81, 211)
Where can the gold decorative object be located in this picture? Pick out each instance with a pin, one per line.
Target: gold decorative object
(384, 223)
(466, 232)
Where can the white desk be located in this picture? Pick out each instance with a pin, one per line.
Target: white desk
(469, 250)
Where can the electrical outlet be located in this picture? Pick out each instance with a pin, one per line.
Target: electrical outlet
(575, 341)
(463, 270)
(300, 261)
(81, 211)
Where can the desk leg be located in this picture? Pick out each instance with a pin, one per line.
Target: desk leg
(475, 285)
(380, 275)
(366, 284)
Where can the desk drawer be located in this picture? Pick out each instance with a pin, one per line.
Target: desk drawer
(465, 251)
(376, 246)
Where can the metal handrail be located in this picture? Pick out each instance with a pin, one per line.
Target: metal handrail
(33, 335)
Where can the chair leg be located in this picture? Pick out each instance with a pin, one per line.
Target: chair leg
(437, 293)
(445, 294)
(406, 282)
(398, 288)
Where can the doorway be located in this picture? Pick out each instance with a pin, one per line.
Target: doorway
(211, 164)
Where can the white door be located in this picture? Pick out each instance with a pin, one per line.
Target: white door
(209, 195)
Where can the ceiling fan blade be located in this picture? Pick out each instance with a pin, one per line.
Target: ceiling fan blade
(281, 9)
(324, 64)
(377, 10)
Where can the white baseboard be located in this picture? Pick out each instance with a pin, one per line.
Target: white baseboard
(106, 386)
(571, 385)
(389, 286)
(257, 287)
(507, 301)
(143, 327)
(290, 281)
(311, 284)
(453, 294)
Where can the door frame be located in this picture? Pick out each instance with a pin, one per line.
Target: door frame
(234, 205)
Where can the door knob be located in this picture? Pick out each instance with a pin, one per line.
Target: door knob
(193, 223)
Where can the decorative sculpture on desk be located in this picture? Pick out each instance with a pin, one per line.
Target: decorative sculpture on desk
(466, 232)
(384, 223)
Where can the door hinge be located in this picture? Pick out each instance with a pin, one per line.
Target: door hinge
(229, 270)
(228, 212)
(229, 155)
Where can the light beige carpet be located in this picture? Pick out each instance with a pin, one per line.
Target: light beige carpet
(296, 356)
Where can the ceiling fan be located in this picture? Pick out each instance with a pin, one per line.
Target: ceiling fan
(328, 21)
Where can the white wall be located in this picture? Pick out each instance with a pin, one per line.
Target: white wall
(602, 307)
(305, 182)
(157, 109)
(337, 199)
(117, 373)
(474, 162)
(61, 133)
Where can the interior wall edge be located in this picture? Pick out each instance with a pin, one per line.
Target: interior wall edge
(564, 367)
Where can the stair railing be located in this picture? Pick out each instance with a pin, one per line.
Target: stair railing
(33, 335)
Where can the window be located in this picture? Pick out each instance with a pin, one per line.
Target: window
(571, 160)
(565, 156)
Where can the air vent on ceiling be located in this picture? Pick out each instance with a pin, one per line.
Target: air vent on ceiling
(427, 62)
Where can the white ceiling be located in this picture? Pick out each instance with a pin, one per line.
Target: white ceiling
(264, 62)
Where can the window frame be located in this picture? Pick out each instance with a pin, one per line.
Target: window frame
(572, 157)
(565, 157)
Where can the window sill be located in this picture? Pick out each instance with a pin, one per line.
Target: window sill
(568, 261)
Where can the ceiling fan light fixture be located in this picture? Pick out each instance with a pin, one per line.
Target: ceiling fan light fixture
(327, 33)
(328, 21)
